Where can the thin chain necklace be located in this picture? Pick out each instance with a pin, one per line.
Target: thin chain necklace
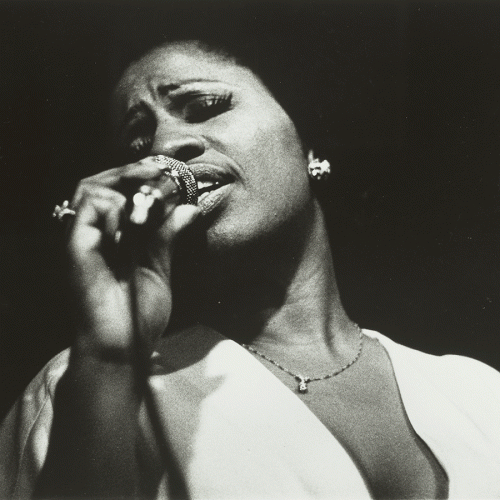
(303, 380)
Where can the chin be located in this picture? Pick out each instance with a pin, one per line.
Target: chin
(227, 237)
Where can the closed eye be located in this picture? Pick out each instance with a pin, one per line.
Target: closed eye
(139, 138)
(194, 107)
(200, 108)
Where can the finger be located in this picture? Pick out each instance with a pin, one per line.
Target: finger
(153, 202)
(130, 175)
(163, 193)
(151, 282)
(99, 216)
(129, 180)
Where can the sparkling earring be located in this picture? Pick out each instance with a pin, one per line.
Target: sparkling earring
(319, 170)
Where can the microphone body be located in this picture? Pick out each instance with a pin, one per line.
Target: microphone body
(182, 176)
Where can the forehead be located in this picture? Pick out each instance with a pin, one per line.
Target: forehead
(180, 64)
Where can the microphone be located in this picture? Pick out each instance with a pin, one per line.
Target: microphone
(180, 174)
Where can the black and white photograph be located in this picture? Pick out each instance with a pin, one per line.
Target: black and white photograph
(249, 250)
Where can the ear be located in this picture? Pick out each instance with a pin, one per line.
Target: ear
(310, 156)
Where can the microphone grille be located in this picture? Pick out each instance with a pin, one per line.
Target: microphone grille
(182, 172)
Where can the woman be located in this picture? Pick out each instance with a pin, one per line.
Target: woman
(262, 386)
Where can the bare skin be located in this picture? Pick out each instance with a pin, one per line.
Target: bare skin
(289, 308)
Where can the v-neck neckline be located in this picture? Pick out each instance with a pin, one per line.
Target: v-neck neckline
(228, 386)
(300, 411)
(243, 384)
(387, 347)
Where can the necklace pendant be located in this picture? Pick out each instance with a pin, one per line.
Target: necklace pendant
(302, 383)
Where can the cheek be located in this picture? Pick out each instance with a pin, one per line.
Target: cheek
(274, 186)
(266, 146)
(282, 160)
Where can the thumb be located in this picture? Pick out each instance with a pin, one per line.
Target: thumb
(151, 283)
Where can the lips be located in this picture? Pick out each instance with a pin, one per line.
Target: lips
(210, 179)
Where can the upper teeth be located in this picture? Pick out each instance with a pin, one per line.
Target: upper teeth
(205, 184)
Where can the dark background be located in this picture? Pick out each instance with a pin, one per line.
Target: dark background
(409, 95)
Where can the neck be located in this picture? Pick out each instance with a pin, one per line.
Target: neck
(292, 301)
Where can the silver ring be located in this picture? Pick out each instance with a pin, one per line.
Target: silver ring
(174, 176)
(61, 211)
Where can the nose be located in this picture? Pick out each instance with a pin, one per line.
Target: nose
(183, 145)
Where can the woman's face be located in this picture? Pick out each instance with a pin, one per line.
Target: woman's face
(218, 117)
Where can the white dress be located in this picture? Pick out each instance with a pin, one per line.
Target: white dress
(237, 432)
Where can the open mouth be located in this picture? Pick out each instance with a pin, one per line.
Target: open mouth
(211, 181)
(206, 187)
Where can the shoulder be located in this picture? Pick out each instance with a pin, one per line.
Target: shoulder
(47, 378)
(24, 433)
(42, 388)
(449, 366)
(468, 383)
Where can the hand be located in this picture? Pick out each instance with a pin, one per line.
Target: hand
(120, 272)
